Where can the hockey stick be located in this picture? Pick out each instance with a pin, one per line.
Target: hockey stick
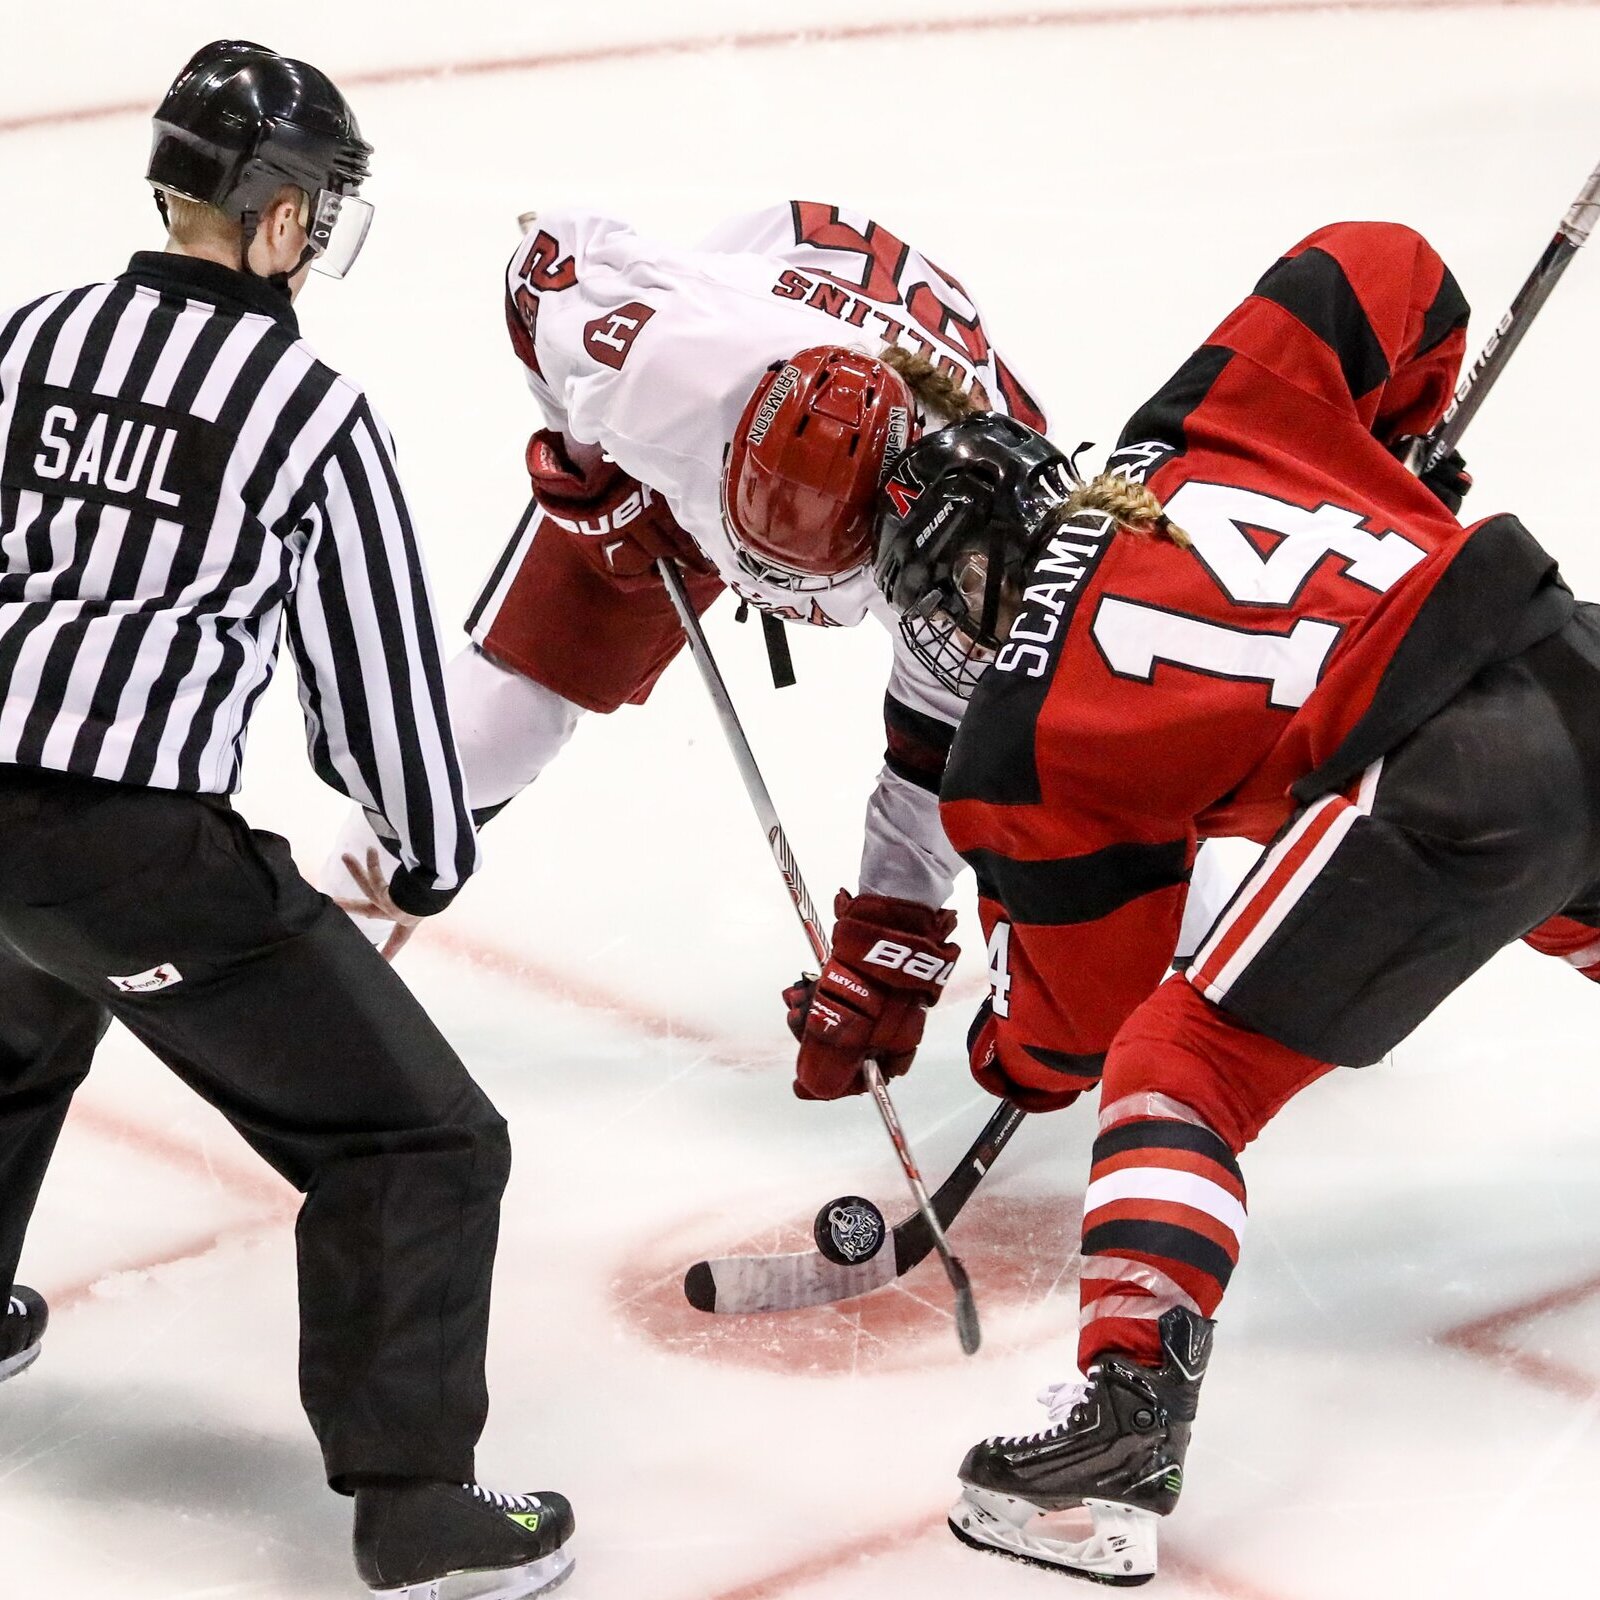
(805, 1278)
(740, 1284)
(1474, 388)
(967, 1329)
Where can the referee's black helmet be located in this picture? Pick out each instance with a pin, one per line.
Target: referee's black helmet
(241, 122)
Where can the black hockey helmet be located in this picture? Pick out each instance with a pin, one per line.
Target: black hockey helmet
(959, 518)
(240, 122)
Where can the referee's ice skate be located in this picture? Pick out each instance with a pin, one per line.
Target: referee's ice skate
(445, 1541)
(21, 1330)
(1113, 1455)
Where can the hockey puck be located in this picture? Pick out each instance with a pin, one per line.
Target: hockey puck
(849, 1230)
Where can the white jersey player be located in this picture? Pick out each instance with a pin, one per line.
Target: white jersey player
(734, 407)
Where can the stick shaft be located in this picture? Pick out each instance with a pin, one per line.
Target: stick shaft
(745, 759)
(1481, 377)
(908, 1164)
(800, 898)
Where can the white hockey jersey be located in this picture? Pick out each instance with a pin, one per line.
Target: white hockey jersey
(651, 350)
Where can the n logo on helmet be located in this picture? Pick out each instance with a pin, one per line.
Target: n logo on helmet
(903, 493)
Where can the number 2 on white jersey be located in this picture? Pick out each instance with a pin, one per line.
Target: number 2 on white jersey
(1135, 638)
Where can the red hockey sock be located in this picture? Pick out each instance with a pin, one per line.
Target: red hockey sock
(1162, 1222)
(1186, 1088)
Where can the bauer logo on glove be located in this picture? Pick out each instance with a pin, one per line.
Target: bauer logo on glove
(621, 526)
(890, 961)
(901, 958)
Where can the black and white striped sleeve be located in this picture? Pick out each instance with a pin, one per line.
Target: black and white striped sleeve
(366, 643)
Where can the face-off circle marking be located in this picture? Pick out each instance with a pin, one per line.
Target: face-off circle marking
(849, 1230)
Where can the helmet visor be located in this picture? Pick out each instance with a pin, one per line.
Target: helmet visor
(338, 229)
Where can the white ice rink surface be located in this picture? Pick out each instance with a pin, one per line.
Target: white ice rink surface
(1406, 1396)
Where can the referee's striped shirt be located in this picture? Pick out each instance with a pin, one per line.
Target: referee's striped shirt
(181, 475)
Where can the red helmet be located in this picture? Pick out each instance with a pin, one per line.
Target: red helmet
(808, 456)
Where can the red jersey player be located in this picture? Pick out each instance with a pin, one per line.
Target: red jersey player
(1274, 631)
(725, 406)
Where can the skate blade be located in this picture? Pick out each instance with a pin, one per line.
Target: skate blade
(504, 1583)
(10, 1367)
(1121, 1550)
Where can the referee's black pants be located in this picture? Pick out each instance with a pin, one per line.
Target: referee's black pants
(266, 1000)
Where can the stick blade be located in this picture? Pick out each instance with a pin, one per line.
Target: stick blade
(737, 1285)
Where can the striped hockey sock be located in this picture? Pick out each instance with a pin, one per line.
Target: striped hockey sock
(1162, 1223)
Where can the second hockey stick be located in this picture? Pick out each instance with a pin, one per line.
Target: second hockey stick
(1471, 392)
(966, 1310)
(741, 1284)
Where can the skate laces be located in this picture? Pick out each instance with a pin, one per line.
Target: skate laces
(1062, 1399)
(503, 1502)
(15, 1308)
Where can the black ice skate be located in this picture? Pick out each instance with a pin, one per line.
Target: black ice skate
(1116, 1450)
(21, 1329)
(446, 1541)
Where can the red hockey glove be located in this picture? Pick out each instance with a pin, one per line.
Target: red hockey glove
(621, 525)
(890, 960)
(983, 1052)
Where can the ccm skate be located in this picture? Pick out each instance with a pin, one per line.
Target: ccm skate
(1083, 1496)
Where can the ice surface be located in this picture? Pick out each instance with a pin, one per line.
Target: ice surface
(1382, 1419)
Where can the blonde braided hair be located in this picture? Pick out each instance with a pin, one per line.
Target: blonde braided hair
(932, 387)
(1131, 506)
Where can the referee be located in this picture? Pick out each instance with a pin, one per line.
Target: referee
(180, 478)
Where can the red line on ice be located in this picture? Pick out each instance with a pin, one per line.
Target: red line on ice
(253, 1182)
(1488, 1338)
(556, 983)
(1499, 1322)
(544, 979)
(275, 1200)
(190, 1249)
(840, 33)
(886, 1541)
(826, 1562)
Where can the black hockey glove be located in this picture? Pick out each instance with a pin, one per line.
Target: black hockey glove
(1449, 481)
